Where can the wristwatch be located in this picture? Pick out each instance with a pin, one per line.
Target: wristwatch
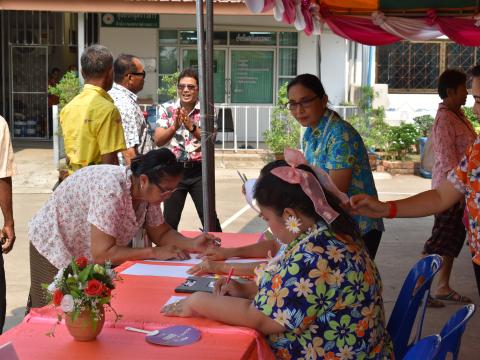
(194, 127)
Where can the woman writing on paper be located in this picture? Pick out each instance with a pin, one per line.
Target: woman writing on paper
(323, 295)
(96, 212)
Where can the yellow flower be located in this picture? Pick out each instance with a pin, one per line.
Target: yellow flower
(335, 253)
(276, 297)
(322, 272)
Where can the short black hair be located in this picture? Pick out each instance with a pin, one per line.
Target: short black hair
(475, 71)
(188, 72)
(156, 164)
(309, 81)
(450, 79)
(123, 65)
(95, 61)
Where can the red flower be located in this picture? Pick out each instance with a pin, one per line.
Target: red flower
(81, 262)
(57, 297)
(94, 288)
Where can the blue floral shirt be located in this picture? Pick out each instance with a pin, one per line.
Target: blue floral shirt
(327, 293)
(333, 145)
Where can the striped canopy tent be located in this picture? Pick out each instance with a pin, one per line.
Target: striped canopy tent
(380, 22)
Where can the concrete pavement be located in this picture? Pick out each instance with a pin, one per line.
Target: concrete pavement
(399, 250)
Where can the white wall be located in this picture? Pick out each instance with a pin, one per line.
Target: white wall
(404, 107)
(334, 52)
(308, 54)
(138, 42)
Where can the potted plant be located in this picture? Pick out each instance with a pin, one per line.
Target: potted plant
(400, 140)
(81, 291)
(66, 89)
(284, 131)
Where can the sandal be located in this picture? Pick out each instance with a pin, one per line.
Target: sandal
(434, 303)
(455, 297)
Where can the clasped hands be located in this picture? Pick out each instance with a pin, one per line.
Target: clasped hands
(182, 118)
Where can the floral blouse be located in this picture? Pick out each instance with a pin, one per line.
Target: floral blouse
(183, 144)
(334, 145)
(466, 179)
(95, 195)
(452, 134)
(327, 293)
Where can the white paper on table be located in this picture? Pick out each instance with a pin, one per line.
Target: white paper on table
(244, 261)
(7, 352)
(157, 270)
(194, 260)
(174, 299)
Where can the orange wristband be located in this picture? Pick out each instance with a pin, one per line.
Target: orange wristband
(392, 213)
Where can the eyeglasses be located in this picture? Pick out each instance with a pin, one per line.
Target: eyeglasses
(142, 74)
(292, 106)
(190, 87)
(165, 192)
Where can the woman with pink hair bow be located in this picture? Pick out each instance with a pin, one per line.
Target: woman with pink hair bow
(322, 297)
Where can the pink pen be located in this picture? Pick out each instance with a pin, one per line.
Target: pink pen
(229, 277)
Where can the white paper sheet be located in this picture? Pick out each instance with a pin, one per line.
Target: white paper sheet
(244, 261)
(174, 299)
(157, 270)
(194, 260)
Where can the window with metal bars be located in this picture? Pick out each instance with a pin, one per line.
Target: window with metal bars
(414, 67)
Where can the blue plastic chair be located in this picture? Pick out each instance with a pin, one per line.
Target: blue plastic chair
(452, 332)
(424, 349)
(411, 299)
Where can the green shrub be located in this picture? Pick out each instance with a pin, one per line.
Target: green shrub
(370, 122)
(372, 129)
(400, 140)
(472, 117)
(424, 124)
(168, 87)
(284, 130)
(67, 88)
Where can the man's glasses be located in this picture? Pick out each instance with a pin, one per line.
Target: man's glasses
(142, 74)
(190, 87)
(292, 106)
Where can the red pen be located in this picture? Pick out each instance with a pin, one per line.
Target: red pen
(229, 277)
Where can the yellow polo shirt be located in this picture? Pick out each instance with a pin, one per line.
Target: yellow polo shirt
(92, 127)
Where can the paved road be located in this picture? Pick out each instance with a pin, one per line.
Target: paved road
(399, 249)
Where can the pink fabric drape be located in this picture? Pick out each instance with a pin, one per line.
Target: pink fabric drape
(377, 29)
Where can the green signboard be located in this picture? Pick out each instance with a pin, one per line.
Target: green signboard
(130, 20)
(253, 38)
(252, 77)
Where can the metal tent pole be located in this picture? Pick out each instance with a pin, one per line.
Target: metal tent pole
(205, 76)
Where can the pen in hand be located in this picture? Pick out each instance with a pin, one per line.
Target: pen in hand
(217, 242)
(229, 277)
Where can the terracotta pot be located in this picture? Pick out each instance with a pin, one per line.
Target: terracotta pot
(279, 156)
(83, 327)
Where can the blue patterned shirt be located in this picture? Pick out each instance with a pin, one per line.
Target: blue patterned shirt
(327, 293)
(334, 145)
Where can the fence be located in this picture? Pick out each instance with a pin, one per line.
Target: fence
(240, 127)
(244, 124)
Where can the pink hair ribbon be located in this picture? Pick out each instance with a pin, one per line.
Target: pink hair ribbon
(309, 183)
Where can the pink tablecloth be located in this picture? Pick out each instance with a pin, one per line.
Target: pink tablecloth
(139, 300)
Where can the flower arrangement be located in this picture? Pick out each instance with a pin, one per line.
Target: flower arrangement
(81, 287)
